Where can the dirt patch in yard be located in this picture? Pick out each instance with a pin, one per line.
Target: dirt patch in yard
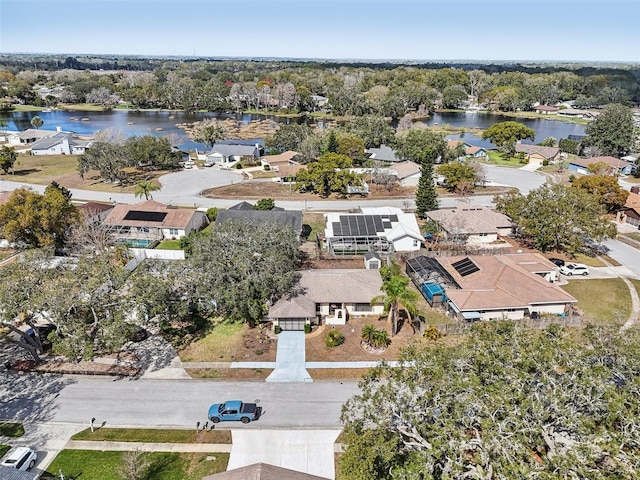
(260, 189)
(351, 350)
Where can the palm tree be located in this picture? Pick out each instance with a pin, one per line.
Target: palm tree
(368, 333)
(37, 122)
(381, 339)
(396, 293)
(145, 188)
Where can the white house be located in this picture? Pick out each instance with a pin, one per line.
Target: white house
(376, 229)
(224, 154)
(328, 296)
(471, 224)
(62, 143)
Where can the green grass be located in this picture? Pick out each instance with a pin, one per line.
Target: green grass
(4, 449)
(217, 346)
(11, 429)
(603, 301)
(262, 174)
(498, 158)
(154, 435)
(42, 169)
(316, 221)
(169, 245)
(97, 465)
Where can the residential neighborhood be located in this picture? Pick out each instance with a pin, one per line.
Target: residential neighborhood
(241, 266)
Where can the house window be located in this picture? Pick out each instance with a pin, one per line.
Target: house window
(483, 234)
(173, 231)
(363, 307)
(415, 243)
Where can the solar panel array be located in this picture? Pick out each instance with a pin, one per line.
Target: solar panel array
(139, 215)
(362, 225)
(465, 267)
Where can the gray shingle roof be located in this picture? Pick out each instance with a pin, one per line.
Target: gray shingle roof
(293, 218)
(7, 473)
(47, 143)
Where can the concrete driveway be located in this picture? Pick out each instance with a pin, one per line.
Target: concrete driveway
(309, 451)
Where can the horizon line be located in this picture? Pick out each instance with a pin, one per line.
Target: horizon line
(323, 59)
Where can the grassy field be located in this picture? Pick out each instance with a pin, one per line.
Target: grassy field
(154, 435)
(11, 429)
(217, 346)
(603, 301)
(42, 169)
(97, 465)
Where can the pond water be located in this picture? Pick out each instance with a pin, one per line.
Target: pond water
(161, 123)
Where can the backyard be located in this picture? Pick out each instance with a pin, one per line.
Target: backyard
(612, 308)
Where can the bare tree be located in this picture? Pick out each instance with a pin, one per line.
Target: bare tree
(111, 135)
(134, 465)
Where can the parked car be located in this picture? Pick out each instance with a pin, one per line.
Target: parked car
(20, 458)
(574, 269)
(557, 261)
(233, 410)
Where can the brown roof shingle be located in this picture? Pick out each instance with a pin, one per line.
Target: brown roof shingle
(174, 218)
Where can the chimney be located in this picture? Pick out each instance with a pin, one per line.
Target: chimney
(58, 129)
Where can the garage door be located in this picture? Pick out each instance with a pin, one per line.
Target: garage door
(289, 324)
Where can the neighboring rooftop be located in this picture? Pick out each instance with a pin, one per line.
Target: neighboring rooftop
(469, 219)
(149, 213)
(262, 471)
(293, 218)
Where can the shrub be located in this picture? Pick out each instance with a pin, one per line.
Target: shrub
(212, 214)
(334, 338)
(571, 178)
(432, 333)
(307, 328)
(545, 163)
(238, 166)
(277, 329)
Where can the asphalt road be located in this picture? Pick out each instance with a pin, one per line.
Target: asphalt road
(175, 403)
(625, 254)
(184, 188)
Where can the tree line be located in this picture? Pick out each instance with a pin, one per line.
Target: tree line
(385, 89)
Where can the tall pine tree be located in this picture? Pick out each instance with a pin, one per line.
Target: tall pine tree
(426, 197)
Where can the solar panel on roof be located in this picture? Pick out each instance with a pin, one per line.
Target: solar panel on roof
(377, 219)
(386, 225)
(393, 218)
(371, 225)
(139, 215)
(465, 267)
(337, 229)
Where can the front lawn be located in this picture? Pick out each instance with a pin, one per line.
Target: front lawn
(603, 301)
(97, 465)
(4, 449)
(499, 158)
(218, 346)
(153, 435)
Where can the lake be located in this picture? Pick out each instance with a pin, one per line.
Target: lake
(161, 123)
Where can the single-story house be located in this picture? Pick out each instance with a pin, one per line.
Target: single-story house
(546, 109)
(471, 224)
(274, 162)
(476, 152)
(577, 113)
(376, 229)
(94, 213)
(383, 154)
(287, 173)
(319, 100)
(538, 153)
(407, 173)
(30, 135)
(292, 218)
(327, 296)
(62, 143)
(144, 223)
(262, 471)
(630, 213)
(492, 287)
(617, 166)
(225, 154)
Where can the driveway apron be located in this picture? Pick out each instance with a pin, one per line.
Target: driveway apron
(290, 359)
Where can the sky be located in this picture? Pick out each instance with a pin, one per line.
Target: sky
(445, 30)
